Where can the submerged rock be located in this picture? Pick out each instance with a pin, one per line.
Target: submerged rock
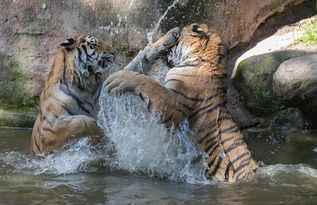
(295, 83)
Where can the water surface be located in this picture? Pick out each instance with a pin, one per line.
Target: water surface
(80, 175)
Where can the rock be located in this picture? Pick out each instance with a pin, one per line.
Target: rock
(31, 30)
(295, 83)
(254, 76)
(17, 119)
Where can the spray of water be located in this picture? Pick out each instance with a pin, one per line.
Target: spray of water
(157, 24)
(79, 157)
(142, 145)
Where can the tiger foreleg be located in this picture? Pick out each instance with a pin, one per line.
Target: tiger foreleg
(160, 100)
(73, 127)
(143, 62)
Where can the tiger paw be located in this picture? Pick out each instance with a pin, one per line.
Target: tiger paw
(121, 82)
(167, 41)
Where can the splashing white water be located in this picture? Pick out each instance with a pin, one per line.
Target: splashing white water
(79, 157)
(151, 34)
(142, 144)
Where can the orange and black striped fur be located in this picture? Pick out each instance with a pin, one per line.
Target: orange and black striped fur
(69, 101)
(194, 89)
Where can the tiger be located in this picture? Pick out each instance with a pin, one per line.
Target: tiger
(69, 101)
(194, 90)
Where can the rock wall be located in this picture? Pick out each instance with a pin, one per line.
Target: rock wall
(31, 30)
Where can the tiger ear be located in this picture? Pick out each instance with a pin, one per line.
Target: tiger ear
(201, 30)
(68, 43)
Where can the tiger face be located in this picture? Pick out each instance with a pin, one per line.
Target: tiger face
(93, 56)
(201, 47)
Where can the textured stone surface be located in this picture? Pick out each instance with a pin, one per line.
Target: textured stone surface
(295, 83)
(31, 30)
(254, 77)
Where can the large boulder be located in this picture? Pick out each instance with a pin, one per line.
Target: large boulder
(254, 77)
(295, 83)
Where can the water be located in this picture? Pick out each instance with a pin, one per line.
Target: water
(87, 178)
(157, 24)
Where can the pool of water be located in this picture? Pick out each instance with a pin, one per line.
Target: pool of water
(81, 175)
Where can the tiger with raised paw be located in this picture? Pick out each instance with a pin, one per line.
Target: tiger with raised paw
(194, 89)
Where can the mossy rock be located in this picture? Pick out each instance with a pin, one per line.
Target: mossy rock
(14, 93)
(254, 79)
(24, 118)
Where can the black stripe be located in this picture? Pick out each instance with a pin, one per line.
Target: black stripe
(35, 141)
(212, 162)
(211, 139)
(229, 165)
(214, 123)
(48, 121)
(238, 176)
(207, 135)
(170, 80)
(240, 157)
(181, 111)
(56, 116)
(241, 167)
(67, 110)
(91, 105)
(233, 128)
(149, 105)
(217, 166)
(79, 55)
(234, 146)
(194, 99)
(185, 106)
(141, 96)
(65, 89)
(98, 95)
(210, 146)
(247, 159)
(214, 107)
(167, 119)
(36, 144)
(213, 150)
(228, 139)
(85, 49)
(48, 129)
(183, 95)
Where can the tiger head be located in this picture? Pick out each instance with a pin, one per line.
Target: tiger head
(197, 46)
(92, 56)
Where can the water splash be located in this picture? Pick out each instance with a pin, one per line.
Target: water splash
(79, 157)
(141, 144)
(157, 24)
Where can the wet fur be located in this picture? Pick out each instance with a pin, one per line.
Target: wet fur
(69, 101)
(194, 89)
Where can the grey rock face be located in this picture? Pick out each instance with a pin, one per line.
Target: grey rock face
(295, 83)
